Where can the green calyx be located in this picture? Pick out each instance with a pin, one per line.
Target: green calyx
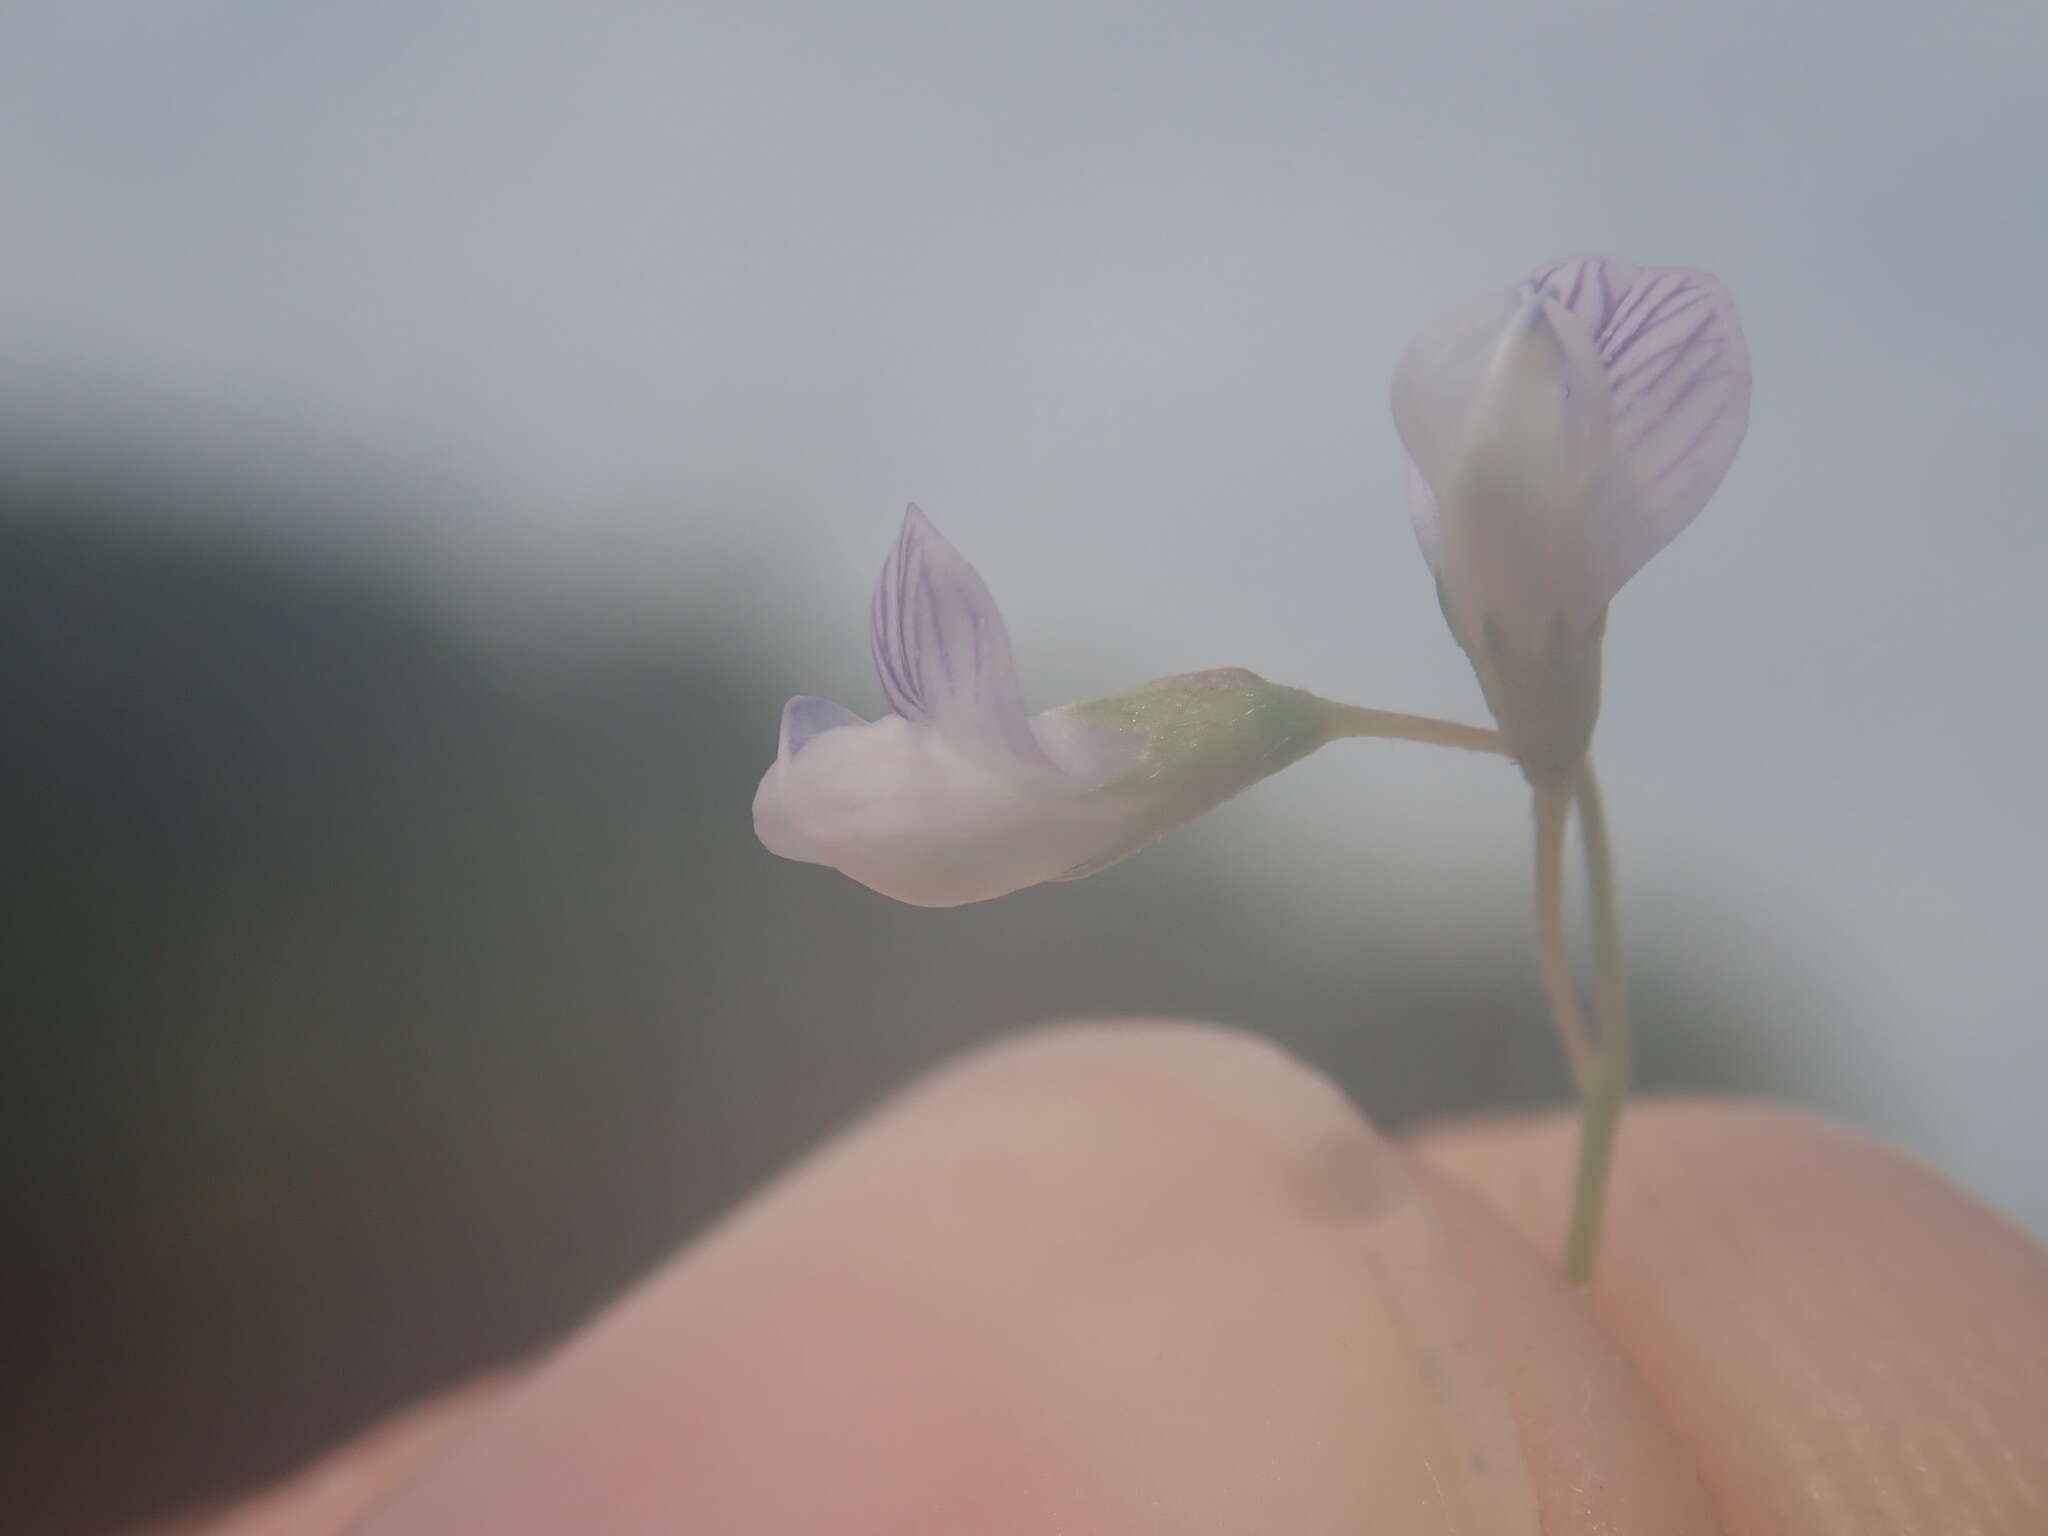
(1209, 734)
(1206, 736)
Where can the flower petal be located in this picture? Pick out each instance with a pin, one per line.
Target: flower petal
(1435, 384)
(1678, 371)
(1508, 420)
(1505, 413)
(1541, 426)
(1424, 513)
(941, 647)
(905, 810)
(1085, 750)
(805, 717)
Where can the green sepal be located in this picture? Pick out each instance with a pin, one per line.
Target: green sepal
(1207, 735)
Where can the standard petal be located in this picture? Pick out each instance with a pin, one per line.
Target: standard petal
(941, 647)
(1678, 372)
(1591, 288)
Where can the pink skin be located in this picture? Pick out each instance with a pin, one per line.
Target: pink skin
(1160, 1279)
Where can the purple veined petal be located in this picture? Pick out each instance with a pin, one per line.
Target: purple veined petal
(805, 717)
(941, 647)
(1678, 371)
(1590, 288)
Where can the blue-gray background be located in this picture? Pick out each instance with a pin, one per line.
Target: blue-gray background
(439, 435)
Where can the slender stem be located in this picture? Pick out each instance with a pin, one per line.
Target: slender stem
(1553, 804)
(1600, 1062)
(1354, 720)
(1607, 1087)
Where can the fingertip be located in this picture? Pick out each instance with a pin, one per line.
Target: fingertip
(1843, 1339)
(1132, 1278)
(1601, 1454)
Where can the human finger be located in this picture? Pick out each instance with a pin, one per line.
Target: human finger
(1842, 1340)
(1139, 1279)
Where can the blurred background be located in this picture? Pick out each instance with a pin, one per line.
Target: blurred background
(435, 438)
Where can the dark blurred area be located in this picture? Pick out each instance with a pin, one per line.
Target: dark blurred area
(378, 1003)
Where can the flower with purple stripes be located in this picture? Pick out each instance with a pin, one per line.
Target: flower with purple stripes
(959, 795)
(1558, 435)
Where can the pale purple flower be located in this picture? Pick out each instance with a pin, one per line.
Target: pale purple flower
(1558, 435)
(959, 795)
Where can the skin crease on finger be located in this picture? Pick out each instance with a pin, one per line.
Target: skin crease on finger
(1137, 1279)
(1844, 1341)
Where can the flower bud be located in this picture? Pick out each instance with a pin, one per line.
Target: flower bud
(1558, 436)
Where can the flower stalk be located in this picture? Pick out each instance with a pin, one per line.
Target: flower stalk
(1355, 721)
(1605, 1086)
(1552, 810)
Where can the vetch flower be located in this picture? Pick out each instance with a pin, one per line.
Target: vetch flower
(959, 795)
(1558, 436)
